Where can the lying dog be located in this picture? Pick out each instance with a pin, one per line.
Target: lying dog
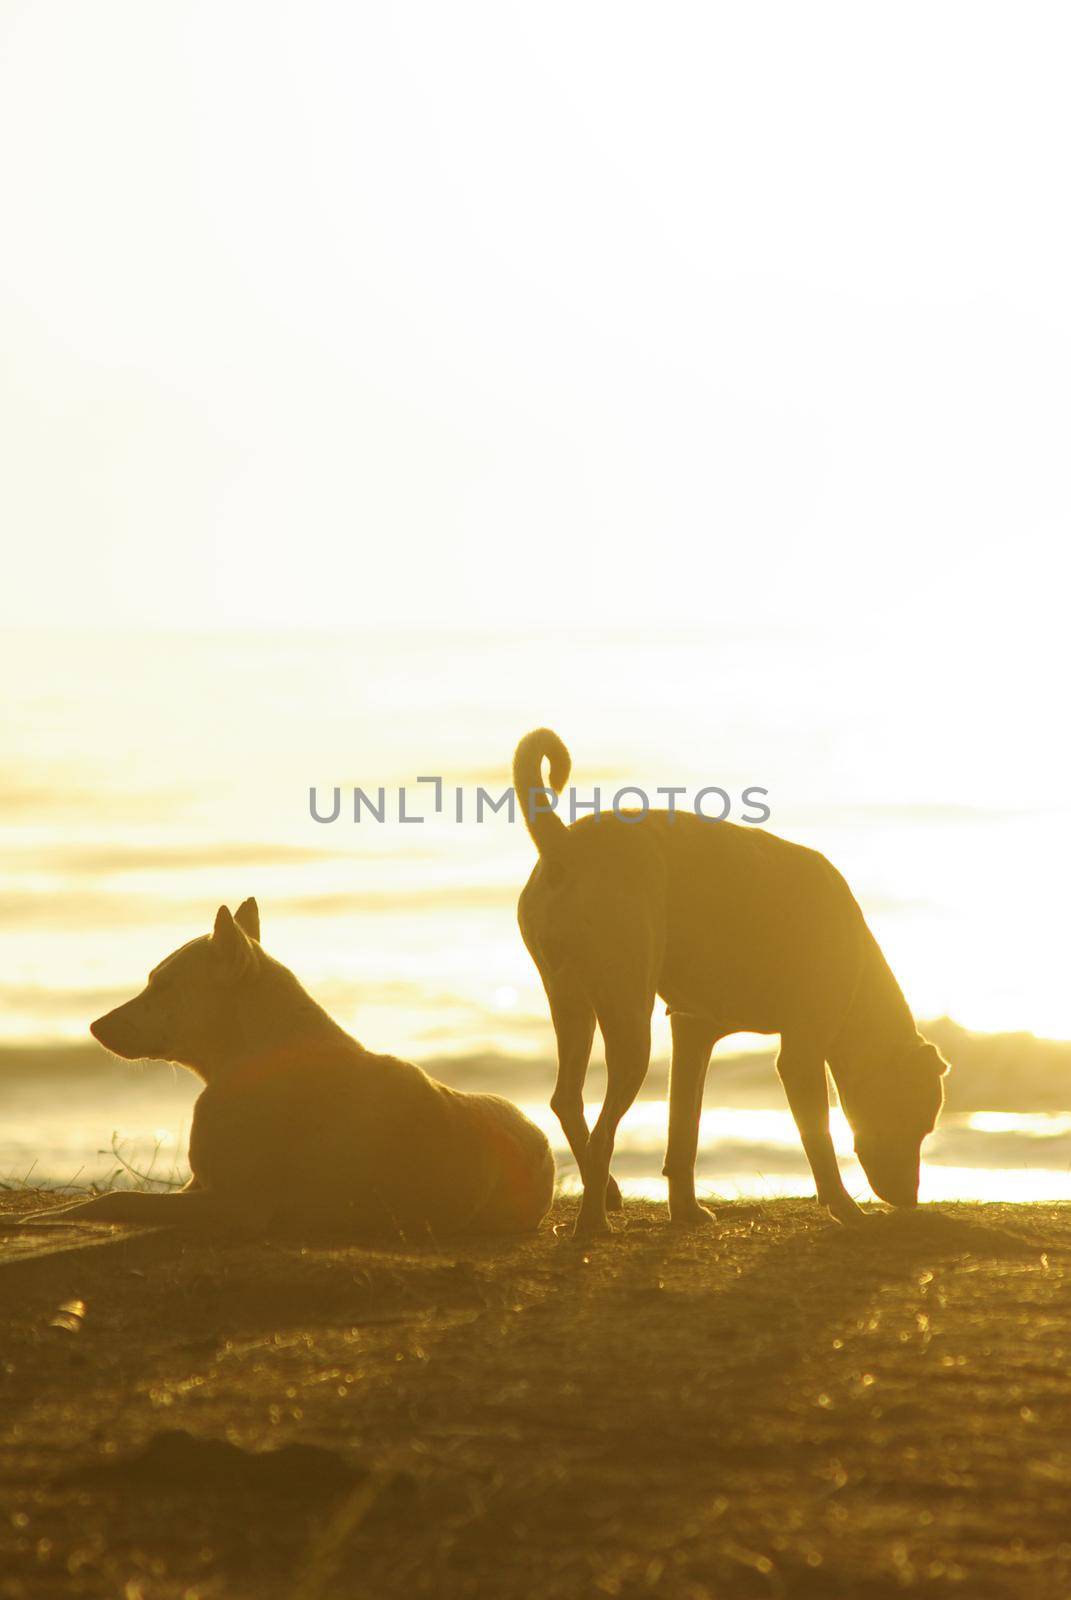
(737, 931)
(298, 1122)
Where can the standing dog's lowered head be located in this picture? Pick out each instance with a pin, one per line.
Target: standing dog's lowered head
(297, 1122)
(739, 932)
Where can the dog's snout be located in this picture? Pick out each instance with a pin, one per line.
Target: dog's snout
(893, 1175)
(104, 1029)
(893, 1195)
(118, 1031)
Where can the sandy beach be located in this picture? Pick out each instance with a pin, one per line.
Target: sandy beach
(534, 552)
(775, 1407)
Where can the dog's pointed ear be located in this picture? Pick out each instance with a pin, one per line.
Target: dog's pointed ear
(230, 947)
(248, 918)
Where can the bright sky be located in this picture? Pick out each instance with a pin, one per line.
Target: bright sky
(328, 313)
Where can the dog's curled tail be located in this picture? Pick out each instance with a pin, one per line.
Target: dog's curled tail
(545, 826)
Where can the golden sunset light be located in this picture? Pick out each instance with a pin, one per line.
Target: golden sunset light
(535, 1029)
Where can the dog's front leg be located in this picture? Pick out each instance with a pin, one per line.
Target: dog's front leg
(188, 1208)
(802, 1070)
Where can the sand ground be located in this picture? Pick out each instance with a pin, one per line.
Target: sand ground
(775, 1407)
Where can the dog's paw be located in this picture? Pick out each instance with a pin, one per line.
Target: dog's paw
(591, 1226)
(844, 1209)
(52, 1218)
(693, 1216)
(614, 1201)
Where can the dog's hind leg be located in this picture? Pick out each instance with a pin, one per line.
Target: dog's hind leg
(574, 1029)
(628, 1053)
(693, 1040)
(802, 1070)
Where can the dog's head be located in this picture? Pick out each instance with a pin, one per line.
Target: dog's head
(185, 1012)
(891, 1116)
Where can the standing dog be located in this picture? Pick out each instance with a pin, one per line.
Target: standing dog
(299, 1122)
(737, 931)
